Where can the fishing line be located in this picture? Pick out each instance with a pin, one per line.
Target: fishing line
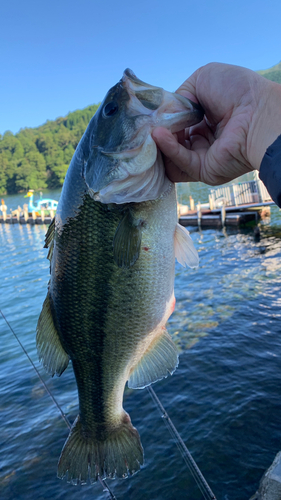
(189, 460)
(102, 481)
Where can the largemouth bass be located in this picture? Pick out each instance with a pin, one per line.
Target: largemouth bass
(112, 248)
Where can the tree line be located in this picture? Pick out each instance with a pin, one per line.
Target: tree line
(38, 158)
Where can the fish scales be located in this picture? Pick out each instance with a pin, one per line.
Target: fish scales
(111, 302)
(112, 254)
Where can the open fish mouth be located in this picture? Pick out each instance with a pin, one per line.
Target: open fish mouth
(131, 168)
(172, 110)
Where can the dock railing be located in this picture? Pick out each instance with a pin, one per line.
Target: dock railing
(241, 193)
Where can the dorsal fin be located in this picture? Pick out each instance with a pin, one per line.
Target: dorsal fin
(49, 239)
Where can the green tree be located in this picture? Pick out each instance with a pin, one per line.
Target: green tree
(31, 172)
(68, 153)
(58, 175)
(4, 168)
(39, 157)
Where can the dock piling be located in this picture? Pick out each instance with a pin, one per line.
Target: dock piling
(191, 200)
(199, 213)
(223, 215)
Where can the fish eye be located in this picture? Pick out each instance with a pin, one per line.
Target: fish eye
(110, 109)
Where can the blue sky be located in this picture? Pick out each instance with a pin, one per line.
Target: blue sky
(62, 55)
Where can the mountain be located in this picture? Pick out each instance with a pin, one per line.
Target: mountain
(38, 158)
(273, 73)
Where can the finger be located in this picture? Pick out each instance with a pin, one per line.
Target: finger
(186, 160)
(174, 173)
(180, 136)
(200, 135)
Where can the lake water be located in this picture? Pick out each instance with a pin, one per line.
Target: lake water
(224, 398)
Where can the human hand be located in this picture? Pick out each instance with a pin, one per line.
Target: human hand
(242, 118)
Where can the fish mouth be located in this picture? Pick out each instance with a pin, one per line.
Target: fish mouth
(166, 109)
(137, 171)
(152, 107)
(178, 112)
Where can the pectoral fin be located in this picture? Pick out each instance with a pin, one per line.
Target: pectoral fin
(127, 241)
(186, 253)
(50, 351)
(160, 360)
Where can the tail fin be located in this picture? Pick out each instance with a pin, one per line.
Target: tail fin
(83, 458)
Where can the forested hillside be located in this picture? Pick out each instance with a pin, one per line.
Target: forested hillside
(37, 158)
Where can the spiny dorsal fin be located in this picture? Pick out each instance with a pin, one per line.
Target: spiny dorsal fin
(160, 360)
(186, 253)
(50, 233)
(127, 241)
(49, 239)
(50, 351)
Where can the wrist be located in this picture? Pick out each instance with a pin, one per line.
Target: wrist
(266, 122)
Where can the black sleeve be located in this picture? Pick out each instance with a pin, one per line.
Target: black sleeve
(270, 171)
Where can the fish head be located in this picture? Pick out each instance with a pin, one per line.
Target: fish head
(123, 163)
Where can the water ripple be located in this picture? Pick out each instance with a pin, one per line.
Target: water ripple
(224, 398)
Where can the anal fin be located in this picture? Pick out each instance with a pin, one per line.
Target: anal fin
(50, 351)
(160, 360)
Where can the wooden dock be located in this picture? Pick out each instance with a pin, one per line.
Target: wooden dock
(226, 216)
(11, 219)
(202, 217)
(22, 216)
(234, 205)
